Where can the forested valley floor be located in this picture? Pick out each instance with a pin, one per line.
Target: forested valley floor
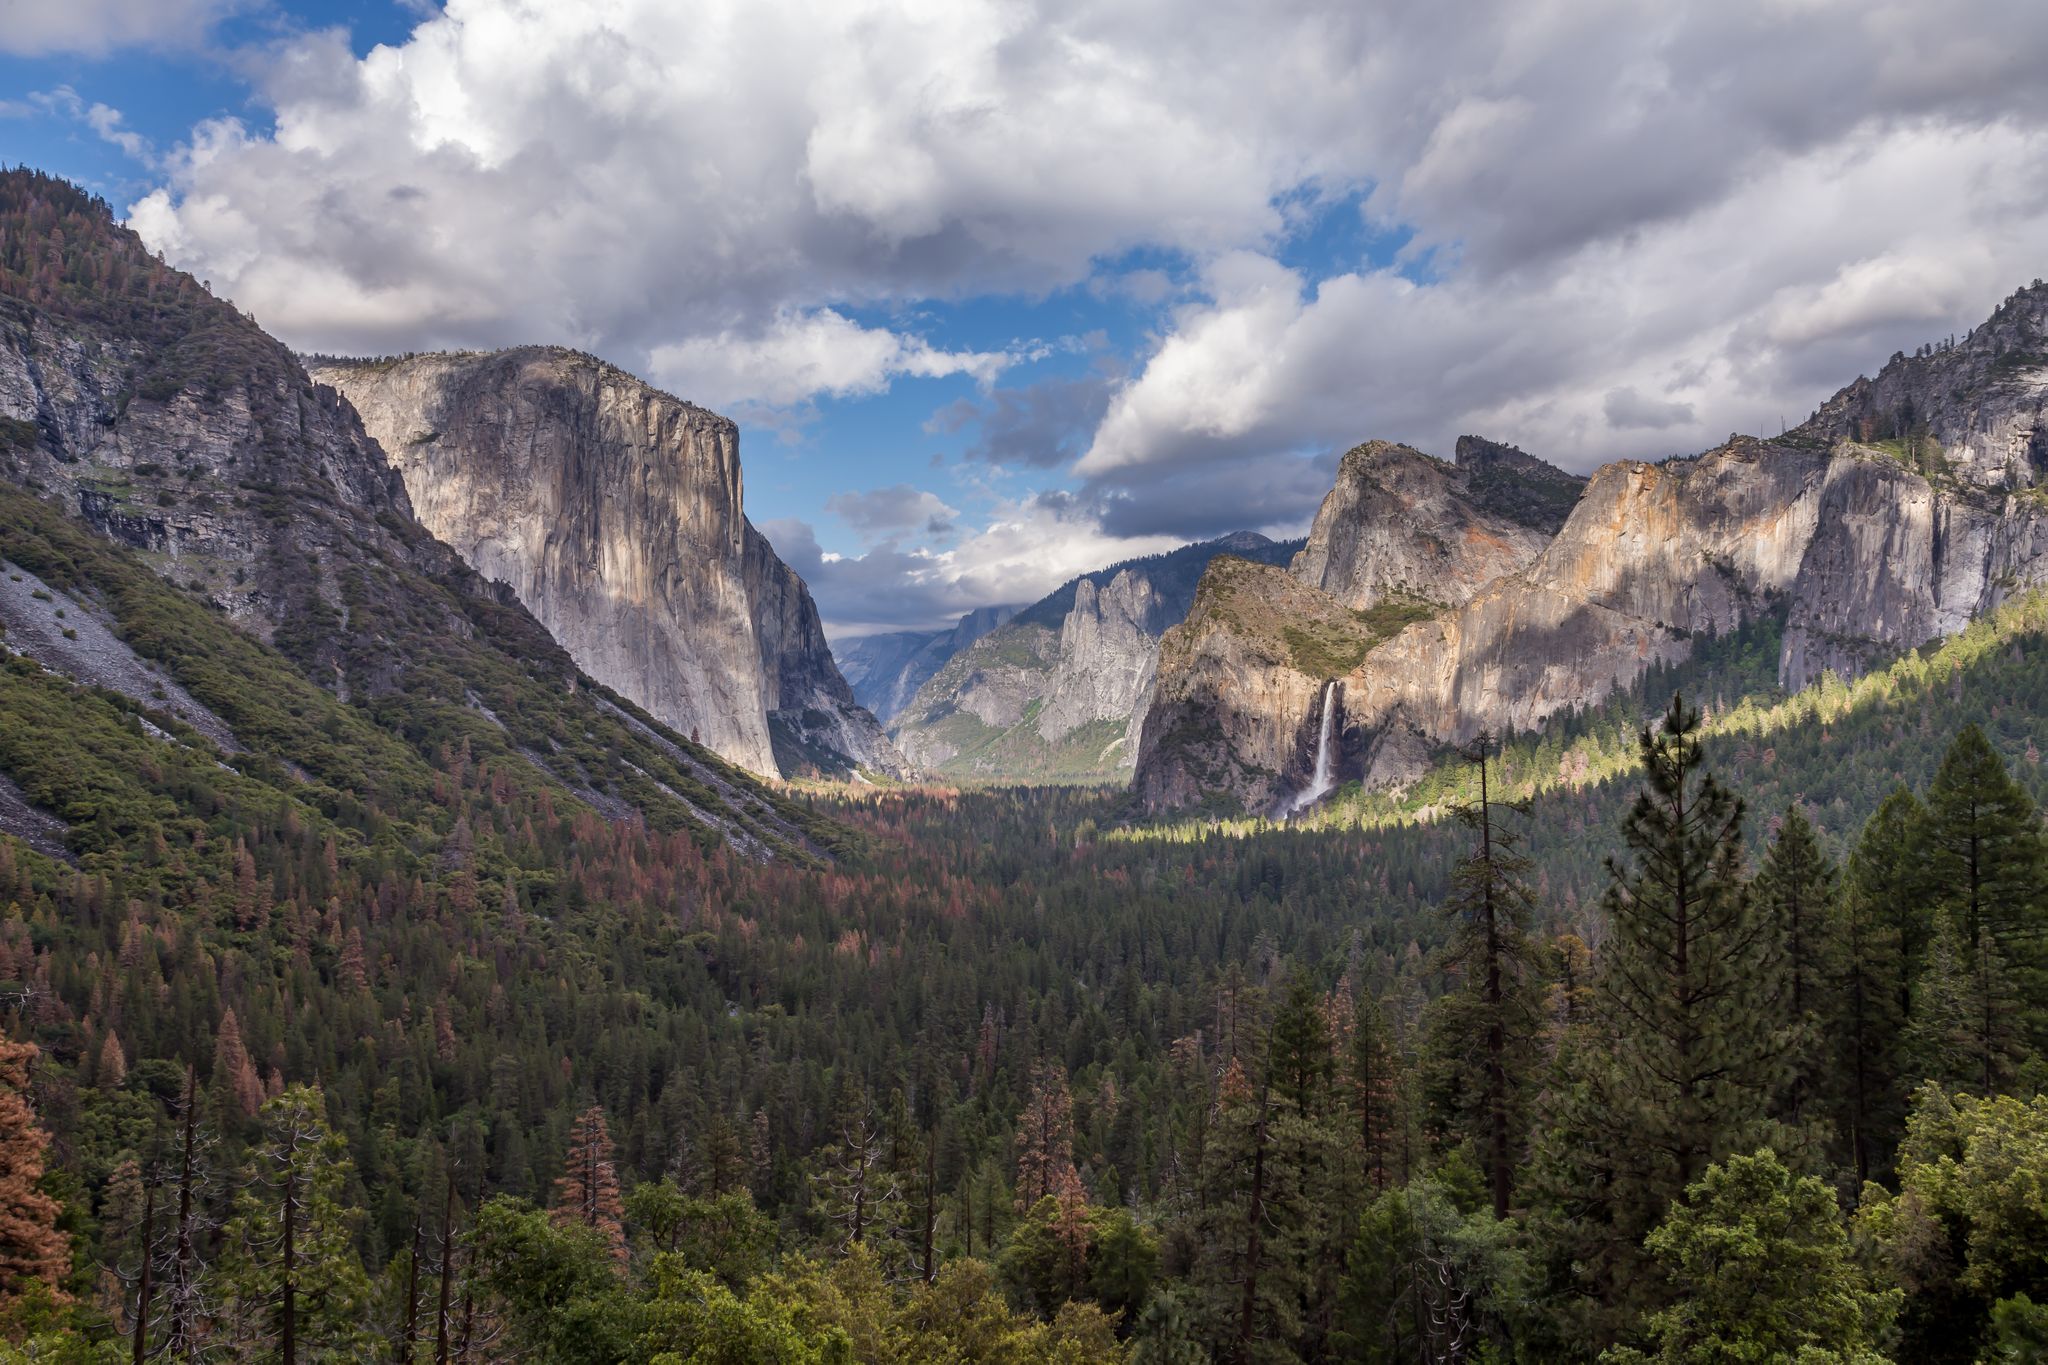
(1724, 1043)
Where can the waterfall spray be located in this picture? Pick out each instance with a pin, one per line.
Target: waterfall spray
(1325, 779)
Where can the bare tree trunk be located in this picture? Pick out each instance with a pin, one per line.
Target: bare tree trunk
(143, 1290)
(288, 1336)
(447, 1260)
(412, 1293)
(185, 1265)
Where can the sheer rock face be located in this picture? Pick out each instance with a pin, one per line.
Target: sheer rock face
(813, 718)
(1232, 713)
(1983, 400)
(1402, 522)
(165, 420)
(1061, 689)
(1109, 647)
(1904, 508)
(613, 511)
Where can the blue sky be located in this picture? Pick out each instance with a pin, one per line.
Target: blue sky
(801, 460)
(1003, 292)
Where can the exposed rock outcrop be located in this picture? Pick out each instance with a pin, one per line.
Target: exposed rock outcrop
(885, 670)
(218, 461)
(1402, 522)
(65, 635)
(1060, 690)
(1975, 410)
(135, 403)
(813, 719)
(1866, 542)
(1109, 647)
(1512, 483)
(614, 512)
(1233, 707)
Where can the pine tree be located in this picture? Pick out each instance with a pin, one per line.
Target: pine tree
(1689, 1054)
(587, 1191)
(288, 1271)
(1962, 1032)
(1985, 850)
(721, 1162)
(1795, 890)
(1375, 1093)
(1266, 1221)
(1045, 1137)
(234, 1073)
(113, 1063)
(1302, 1061)
(1862, 1031)
(1888, 873)
(31, 1246)
(855, 1187)
(1482, 1036)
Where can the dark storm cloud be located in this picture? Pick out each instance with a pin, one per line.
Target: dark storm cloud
(1261, 492)
(1041, 426)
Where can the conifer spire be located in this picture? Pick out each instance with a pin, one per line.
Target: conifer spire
(31, 1246)
(587, 1192)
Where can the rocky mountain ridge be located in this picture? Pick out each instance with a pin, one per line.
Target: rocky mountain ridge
(614, 512)
(885, 670)
(1059, 690)
(1903, 509)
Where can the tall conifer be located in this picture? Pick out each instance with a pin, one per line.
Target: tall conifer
(1482, 1035)
(1795, 890)
(31, 1246)
(288, 1271)
(1862, 1030)
(1984, 839)
(1987, 857)
(1686, 1051)
(587, 1192)
(1963, 1030)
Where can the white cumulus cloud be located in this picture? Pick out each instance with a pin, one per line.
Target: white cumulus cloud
(1737, 314)
(1625, 229)
(801, 356)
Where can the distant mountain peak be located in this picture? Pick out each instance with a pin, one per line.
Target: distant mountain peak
(1056, 694)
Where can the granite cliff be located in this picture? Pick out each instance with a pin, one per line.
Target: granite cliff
(1058, 692)
(1904, 508)
(614, 513)
(149, 431)
(1402, 523)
